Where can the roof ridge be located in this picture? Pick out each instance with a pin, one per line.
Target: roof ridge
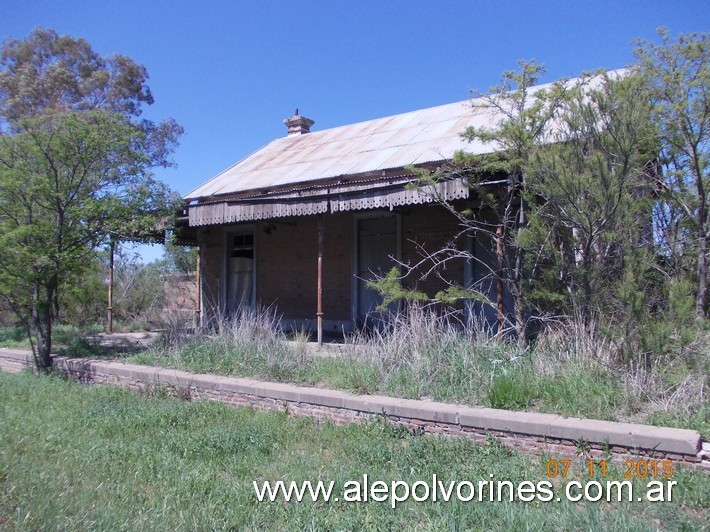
(419, 136)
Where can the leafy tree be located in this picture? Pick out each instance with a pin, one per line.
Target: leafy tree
(179, 259)
(139, 290)
(594, 203)
(47, 71)
(677, 74)
(499, 184)
(590, 193)
(523, 130)
(82, 301)
(564, 199)
(139, 294)
(74, 167)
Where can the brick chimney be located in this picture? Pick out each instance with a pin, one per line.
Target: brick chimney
(298, 125)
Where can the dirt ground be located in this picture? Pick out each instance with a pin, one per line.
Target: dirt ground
(132, 340)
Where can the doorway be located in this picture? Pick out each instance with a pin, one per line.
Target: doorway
(376, 242)
(240, 274)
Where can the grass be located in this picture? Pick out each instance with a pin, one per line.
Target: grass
(62, 334)
(13, 337)
(569, 372)
(71, 340)
(423, 356)
(75, 458)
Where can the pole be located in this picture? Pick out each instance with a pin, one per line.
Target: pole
(109, 308)
(198, 292)
(319, 314)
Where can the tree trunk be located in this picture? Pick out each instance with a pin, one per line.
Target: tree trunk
(499, 281)
(521, 318)
(109, 308)
(703, 230)
(43, 299)
(702, 297)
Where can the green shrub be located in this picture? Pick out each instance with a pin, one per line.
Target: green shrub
(13, 337)
(510, 391)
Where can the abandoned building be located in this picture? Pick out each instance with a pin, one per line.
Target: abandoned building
(303, 223)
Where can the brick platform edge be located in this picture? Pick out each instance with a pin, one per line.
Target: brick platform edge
(535, 433)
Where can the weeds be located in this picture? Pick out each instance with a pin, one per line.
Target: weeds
(573, 371)
(252, 345)
(13, 337)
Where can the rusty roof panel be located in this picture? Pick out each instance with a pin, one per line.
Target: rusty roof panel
(426, 135)
(378, 159)
(407, 153)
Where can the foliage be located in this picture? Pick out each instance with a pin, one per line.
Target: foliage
(499, 187)
(82, 300)
(49, 71)
(74, 168)
(562, 198)
(250, 345)
(140, 292)
(179, 259)
(390, 287)
(677, 77)
(509, 393)
(589, 194)
(590, 206)
(13, 337)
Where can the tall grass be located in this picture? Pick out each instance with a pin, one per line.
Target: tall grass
(253, 345)
(420, 354)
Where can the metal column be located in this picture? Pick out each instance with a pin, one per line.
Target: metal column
(319, 313)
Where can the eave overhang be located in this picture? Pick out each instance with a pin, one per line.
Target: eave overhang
(349, 193)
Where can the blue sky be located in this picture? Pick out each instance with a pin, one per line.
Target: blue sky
(231, 71)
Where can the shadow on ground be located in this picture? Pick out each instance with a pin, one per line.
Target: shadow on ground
(103, 345)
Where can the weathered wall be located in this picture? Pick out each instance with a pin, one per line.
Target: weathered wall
(287, 266)
(286, 261)
(211, 252)
(426, 229)
(529, 432)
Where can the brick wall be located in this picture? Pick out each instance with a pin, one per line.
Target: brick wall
(428, 228)
(287, 266)
(286, 260)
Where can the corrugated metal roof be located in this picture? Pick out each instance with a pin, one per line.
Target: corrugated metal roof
(390, 142)
(416, 137)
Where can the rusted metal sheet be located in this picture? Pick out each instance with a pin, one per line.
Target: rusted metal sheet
(380, 144)
(353, 152)
(374, 198)
(369, 194)
(221, 213)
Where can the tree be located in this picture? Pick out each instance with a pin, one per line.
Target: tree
(562, 200)
(565, 204)
(523, 130)
(590, 192)
(677, 75)
(179, 259)
(75, 165)
(499, 185)
(47, 71)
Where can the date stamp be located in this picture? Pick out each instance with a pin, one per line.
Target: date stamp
(592, 480)
(633, 468)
